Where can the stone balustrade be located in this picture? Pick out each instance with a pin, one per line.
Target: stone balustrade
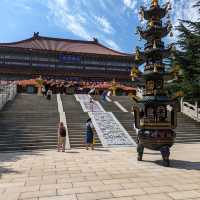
(7, 93)
(190, 110)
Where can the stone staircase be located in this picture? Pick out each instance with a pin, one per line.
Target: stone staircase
(125, 118)
(76, 120)
(108, 106)
(127, 121)
(188, 130)
(125, 101)
(29, 122)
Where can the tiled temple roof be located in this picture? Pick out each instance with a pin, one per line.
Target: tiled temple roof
(63, 45)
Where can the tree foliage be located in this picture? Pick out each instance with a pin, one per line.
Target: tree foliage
(188, 58)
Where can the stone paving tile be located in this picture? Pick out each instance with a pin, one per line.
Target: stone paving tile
(153, 197)
(7, 185)
(87, 183)
(152, 190)
(2, 190)
(69, 180)
(45, 193)
(10, 196)
(184, 186)
(112, 175)
(65, 197)
(121, 198)
(110, 187)
(23, 189)
(135, 185)
(77, 190)
(94, 196)
(128, 192)
(116, 181)
(185, 194)
(55, 186)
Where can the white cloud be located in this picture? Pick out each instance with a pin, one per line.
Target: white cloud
(64, 17)
(131, 4)
(183, 10)
(81, 23)
(105, 24)
(22, 5)
(112, 44)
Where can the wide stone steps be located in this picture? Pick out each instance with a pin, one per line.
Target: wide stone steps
(70, 104)
(107, 106)
(29, 122)
(127, 121)
(188, 130)
(76, 122)
(125, 101)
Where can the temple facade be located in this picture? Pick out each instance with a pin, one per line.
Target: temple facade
(63, 59)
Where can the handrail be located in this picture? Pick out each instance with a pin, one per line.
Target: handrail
(63, 119)
(190, 110)
(7, 93)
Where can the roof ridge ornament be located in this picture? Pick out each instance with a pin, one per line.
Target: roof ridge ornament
(95, 40)
(36, 34)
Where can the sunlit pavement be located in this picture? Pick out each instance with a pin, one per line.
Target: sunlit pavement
(111, 174)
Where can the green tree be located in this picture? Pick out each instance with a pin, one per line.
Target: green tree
(188, 58)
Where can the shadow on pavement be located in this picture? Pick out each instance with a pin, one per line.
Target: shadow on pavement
(6, 170)
(105, 150)
(8, 158)
(72, 151)
(152, 153)
(178, 164)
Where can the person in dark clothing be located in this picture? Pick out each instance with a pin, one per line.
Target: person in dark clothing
(46, 88)
(89, 137)
(61, 137)
(103, 96)
(49, 94)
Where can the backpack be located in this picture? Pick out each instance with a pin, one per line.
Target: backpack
(62, 132)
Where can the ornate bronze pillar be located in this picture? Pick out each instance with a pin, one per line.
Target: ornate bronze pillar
(155, 114)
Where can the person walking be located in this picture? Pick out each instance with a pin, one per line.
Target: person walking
(61, 137)
(89, 137)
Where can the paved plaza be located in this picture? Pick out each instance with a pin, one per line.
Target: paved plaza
(110, 174)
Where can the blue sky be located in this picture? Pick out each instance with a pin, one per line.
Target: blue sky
(113, 22)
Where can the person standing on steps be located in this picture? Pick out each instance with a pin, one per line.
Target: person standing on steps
(91, 104)
(49, 94)
(89, 137)
(103, 96)
(43, 91)
(61, 137)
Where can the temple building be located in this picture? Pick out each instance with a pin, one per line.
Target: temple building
(63, 59)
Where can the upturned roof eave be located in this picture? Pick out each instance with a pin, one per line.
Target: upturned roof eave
(131, 56)
(9, 45)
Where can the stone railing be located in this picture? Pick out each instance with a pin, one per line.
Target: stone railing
(7, 93)
(190, 110)
(63, 120)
